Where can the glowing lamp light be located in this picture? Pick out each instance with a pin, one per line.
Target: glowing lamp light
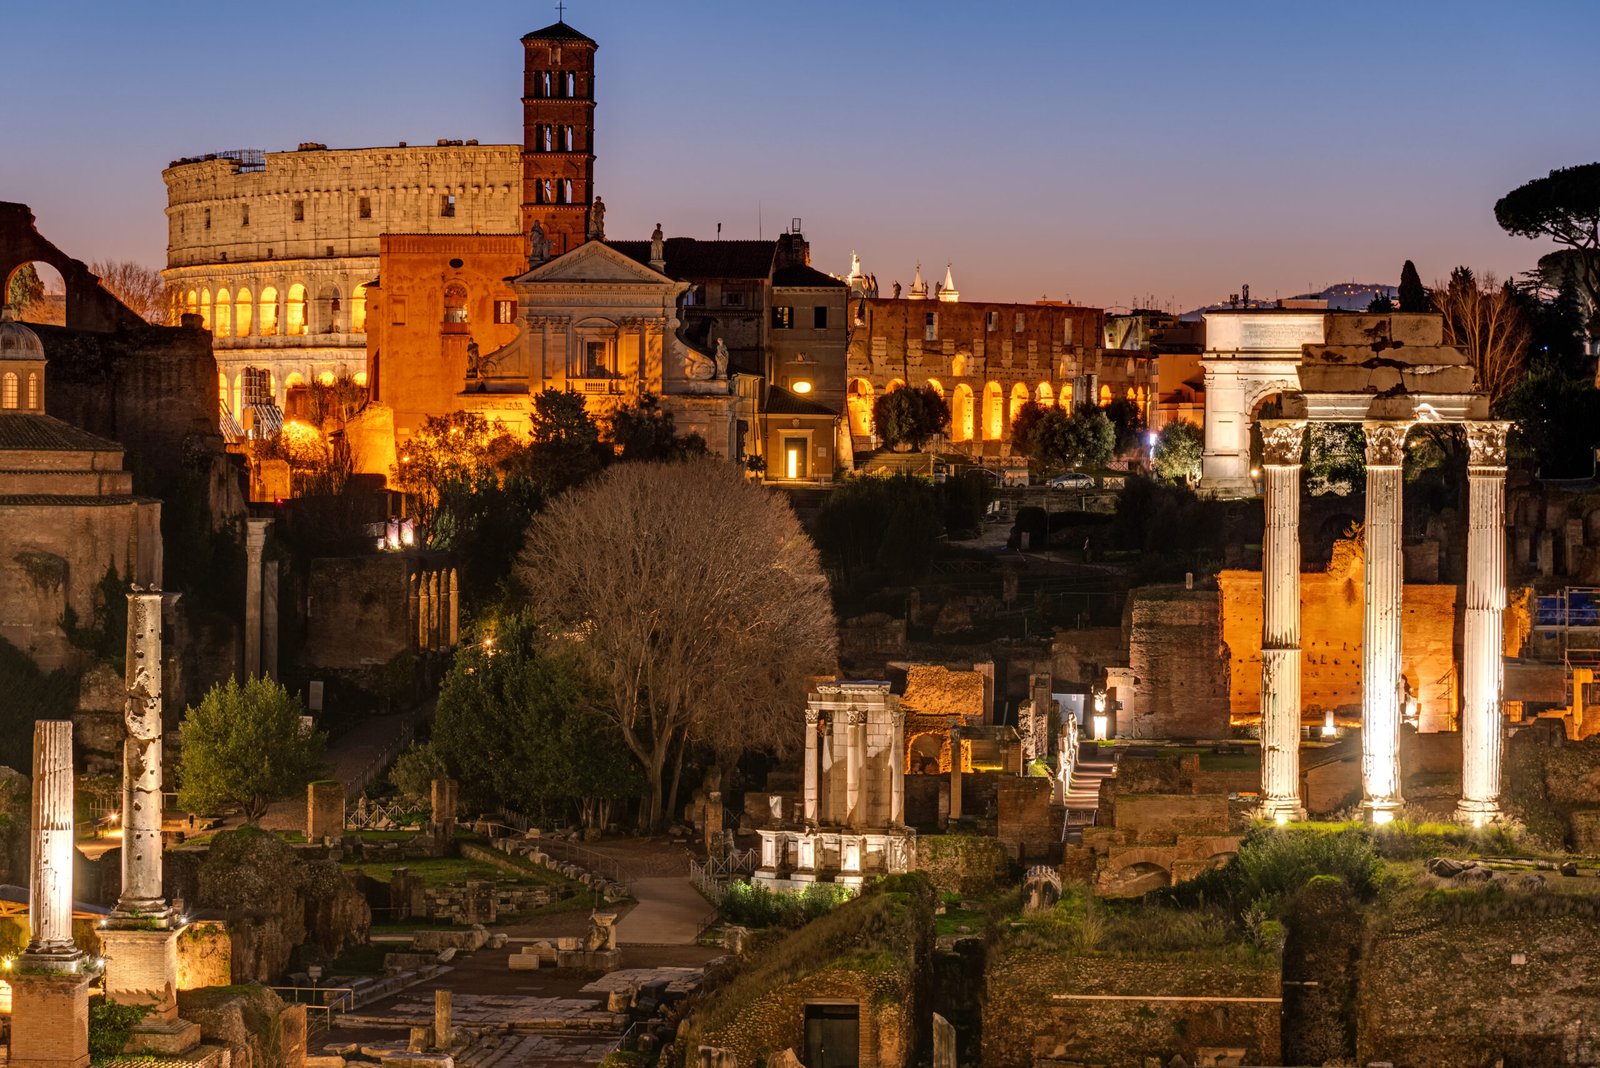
(1477, 823)
(1281, 819)
(1382, 816)
(1255, 472)
(802, 386)
(1328, 729)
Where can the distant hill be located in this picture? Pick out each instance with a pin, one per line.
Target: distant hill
(1341, 296)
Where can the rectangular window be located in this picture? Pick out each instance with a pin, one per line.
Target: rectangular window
(695, 297)
(244, 216)
(1022, 321)
(994, 321)
(447, 206)
(819, 317)
(208, 218)
(594, 360)
(733, 298)
(505, 311)
(257, 386)
(299, 211)
(397, 311)
(782, 317)
(1067, 335)
(930, 326)
(364, 208)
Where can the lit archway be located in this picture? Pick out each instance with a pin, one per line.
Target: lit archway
(1046, 395)
(1064, 398)
(961, 413)
(1105, 396)
(294, 311)
(937, 386)
(1019, 397)
(37, 292)
(358, 310)
(241, 313)
(329, 307)
(205, 308)
(222, 314)
(859, 404)
(894, 384)
(994, 416)
(267, 311)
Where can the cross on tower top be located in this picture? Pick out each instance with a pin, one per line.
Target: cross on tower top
(561, 11)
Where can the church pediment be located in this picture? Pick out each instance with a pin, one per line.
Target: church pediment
(595, 262)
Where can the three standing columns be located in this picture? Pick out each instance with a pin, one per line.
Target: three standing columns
(1483, 644)
(1384, 587)
(1280, 622)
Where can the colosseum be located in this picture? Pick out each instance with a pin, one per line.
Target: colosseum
(273, 250)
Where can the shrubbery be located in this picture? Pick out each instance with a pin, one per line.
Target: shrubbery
(749, 905)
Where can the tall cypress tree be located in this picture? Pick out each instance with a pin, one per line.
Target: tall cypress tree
(1413, 296)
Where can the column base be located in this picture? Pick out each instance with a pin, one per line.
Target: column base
(142, 968)
(1279, 810)
(1478, 813)
(1379, 811)
(49, 1017)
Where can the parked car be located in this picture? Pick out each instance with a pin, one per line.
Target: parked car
(1072, 480)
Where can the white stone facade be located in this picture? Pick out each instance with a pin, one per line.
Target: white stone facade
(853, 801)
(273, 250)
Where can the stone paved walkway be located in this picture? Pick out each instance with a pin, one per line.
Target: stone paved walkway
(670, 913)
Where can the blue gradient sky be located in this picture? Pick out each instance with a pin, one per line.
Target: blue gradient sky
(1092, 151)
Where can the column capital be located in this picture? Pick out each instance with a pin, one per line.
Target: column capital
(855, 717)
(1486, 443)
(1386, 443)
(1281, 440)
(813, 716)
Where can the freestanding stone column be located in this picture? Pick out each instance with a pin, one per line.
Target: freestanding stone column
(1483, 642)
(808, 798)
(255, 540)
(897, 768)
(1280, 622)
(1380, 634)
(955, 773)
(141, 934)
(50, 883)
(50, 983)
(141, 760)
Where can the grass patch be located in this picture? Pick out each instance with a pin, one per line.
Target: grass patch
(748, 905)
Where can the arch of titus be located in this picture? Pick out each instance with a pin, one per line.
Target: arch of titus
(1388, 373)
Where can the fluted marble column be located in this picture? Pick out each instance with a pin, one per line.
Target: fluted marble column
(852, 766)
(1380, 658)
(897, 769)
(50, 884)
(808, 799)
(1280, 622)
(1483, 642)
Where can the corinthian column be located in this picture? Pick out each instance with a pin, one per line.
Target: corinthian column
(808, 799)
(50, 885)
(852, 767)
(1483, 644)
(1380, 636)
(1280, 622)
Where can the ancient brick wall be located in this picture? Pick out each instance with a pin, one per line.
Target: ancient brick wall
(1022, 1022)
(1331, 626)
(1177, 653)
(961, 863)
(1026, 823)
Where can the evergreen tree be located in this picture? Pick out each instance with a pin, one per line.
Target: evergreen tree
(1413, 295)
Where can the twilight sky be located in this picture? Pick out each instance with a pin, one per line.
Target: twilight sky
(1098, 152)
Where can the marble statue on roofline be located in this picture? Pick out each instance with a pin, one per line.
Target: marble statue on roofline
(538, 245)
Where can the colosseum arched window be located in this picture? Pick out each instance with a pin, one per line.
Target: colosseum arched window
(205, 308)
(267, 311)
(329, 307)
(241, 313)
(294, 312)
(358, 310)
(222, 315)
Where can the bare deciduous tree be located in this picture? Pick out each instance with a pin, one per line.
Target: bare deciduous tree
(696, 599)
(137, 286)
(1482, 319)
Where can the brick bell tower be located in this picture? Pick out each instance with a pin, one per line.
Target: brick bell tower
(558, 134)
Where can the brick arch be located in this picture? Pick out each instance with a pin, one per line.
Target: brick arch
(89, 305)
(1136, 877)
